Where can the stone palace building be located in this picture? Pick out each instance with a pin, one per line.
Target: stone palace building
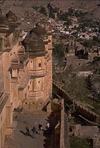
(25, 70)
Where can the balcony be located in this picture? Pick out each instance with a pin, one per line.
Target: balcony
(35, 94)
(37, 73)
(13, 80)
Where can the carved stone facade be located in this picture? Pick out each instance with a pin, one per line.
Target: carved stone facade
(26, 72)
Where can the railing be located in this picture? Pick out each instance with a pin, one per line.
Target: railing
(79, 106)
(3, 100)
(1, 97)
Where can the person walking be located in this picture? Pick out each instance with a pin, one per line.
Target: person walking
(34, 130)
(27, 131)
(40, 127)
(48, 125)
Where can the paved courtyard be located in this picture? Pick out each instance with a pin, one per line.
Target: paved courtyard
(26, 120)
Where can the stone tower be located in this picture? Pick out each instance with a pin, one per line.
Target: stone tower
(6, 104)
(38, 46)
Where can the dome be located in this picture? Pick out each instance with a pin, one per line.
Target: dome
(33, 42)
(11, 16)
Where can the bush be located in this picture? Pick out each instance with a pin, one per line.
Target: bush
(43, 11)
(88, 43)
(59, 50)
(79, 143)
(63, 16)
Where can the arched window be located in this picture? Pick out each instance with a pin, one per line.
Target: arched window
(40, 65)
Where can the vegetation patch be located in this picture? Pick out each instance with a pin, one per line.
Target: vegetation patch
(79, 143)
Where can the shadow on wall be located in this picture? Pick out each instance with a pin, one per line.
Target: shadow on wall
(52, 135)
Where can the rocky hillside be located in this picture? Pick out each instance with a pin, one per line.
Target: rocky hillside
(93, 6)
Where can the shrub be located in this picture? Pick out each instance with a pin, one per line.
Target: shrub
(43, 11)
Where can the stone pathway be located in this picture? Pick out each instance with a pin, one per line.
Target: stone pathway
(19, 140)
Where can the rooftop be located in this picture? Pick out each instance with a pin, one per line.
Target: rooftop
(11, 17)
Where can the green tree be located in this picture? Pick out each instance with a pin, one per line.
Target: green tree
(79, 143)
(63, 16)
(88, 43)
(59, 50)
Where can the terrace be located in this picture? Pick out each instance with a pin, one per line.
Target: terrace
(47, 137)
